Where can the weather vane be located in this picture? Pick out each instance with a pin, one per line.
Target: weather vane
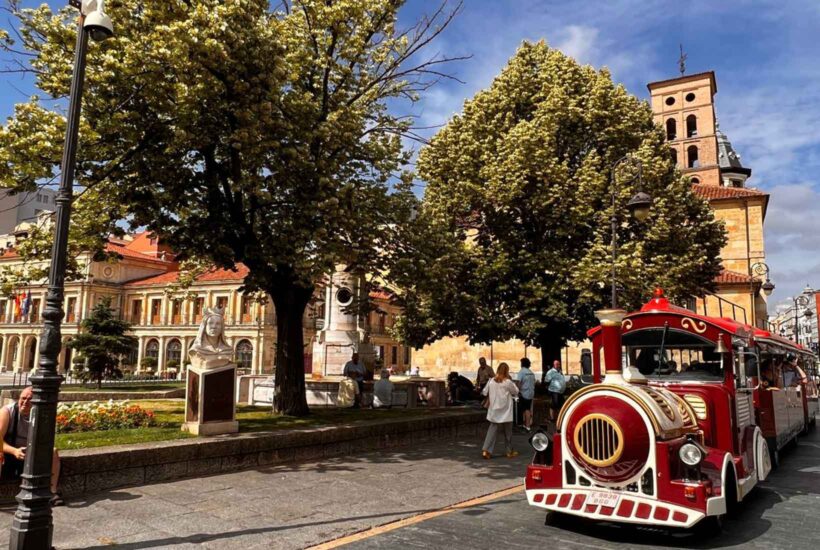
(682, 61)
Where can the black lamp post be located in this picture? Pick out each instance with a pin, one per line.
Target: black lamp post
(32, 526)
(639, 205)
(761, 269)
(800, 301)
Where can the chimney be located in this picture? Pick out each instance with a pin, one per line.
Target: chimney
(611, 320)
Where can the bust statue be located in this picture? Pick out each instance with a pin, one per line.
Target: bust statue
(210, 350)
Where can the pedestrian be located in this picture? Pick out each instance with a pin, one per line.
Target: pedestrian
(485, 373)
(14, 424)
(355, 369)
(556, 386)
(383, 391)
(526, 388)
(500, 391)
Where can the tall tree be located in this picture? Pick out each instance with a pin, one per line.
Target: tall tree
(237, 132)
(101, 343)
(514, 227)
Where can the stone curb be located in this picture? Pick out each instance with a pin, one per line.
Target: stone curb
(100, 469)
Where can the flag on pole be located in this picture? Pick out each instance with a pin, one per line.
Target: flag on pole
(17, 310)
(27, 304)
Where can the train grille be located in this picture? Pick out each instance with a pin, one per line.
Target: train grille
(599, 440)
(698, 405)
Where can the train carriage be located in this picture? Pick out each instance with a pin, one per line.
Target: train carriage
(681, 427)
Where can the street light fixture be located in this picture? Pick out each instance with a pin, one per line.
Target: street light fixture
(639, 206)
(32, 526)
(800, 301)
(760, 269)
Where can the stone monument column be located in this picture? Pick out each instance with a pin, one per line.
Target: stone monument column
(343, 331)
(210, 407)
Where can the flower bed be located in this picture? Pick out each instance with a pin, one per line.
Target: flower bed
(93, 416)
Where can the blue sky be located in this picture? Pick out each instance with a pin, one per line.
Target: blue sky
(765, 55)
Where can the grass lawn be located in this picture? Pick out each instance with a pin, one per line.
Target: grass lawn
(125, 388)
(170, 412)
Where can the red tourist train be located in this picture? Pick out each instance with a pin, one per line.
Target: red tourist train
(685, 431)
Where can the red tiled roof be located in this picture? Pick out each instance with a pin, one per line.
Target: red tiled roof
(128, 253)
(212, 275)
(717, 192)
(9, 253)
(380, 295)
(733, 277)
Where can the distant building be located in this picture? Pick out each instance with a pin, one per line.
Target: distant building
(23, 208)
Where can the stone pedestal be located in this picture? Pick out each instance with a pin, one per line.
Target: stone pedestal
(210, 408)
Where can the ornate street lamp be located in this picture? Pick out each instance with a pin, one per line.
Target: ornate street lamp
(639, 206)
(32, 525)
(800, 301)
(760, 269)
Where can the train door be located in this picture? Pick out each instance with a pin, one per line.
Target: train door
(746, 377)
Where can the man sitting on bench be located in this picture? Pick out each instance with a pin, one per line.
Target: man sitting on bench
(14, 422)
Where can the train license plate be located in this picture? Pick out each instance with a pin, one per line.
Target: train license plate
(601, 498)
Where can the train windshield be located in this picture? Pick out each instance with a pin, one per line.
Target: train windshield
(673, 355)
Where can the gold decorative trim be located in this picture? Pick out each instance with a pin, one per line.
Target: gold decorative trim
(624, 390)
(627, 324)
(661, 401)
(599, 440)
(691, 324)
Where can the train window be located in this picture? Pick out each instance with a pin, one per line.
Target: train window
(673, 355)
(746, 370)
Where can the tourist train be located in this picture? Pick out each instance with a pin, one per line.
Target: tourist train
(692, 412)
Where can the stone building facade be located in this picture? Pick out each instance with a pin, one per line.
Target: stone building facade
(140, 285)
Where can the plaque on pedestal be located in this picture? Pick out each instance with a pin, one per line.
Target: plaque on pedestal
(210, 407)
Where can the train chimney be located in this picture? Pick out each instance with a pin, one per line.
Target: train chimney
(611, 334)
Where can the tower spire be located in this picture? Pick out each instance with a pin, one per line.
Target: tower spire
(682, 61)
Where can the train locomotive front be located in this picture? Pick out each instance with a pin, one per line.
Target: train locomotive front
(625, 451)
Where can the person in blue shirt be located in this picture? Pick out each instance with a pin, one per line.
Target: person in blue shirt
(526, 389)
(556, 386)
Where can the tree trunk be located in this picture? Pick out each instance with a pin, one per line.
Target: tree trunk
(551, 347)
(290, 302)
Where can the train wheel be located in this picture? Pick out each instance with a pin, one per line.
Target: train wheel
(710, 526)
(551, 518)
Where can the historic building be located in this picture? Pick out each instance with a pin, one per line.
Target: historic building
(141, 285)
(685, 108)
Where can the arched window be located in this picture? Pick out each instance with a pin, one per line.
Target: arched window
(691, 126)
(173, 352)
(671, 129)
(152, 349)
(675, 156)
(692, 157)
(244, 354)
(695, 180)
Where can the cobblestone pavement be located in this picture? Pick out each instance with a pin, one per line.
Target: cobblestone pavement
(784, 512)
(285, 506)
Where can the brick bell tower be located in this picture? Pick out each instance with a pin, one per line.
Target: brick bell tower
(685, 108)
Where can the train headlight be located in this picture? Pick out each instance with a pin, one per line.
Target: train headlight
(540, 441)
(690, 454)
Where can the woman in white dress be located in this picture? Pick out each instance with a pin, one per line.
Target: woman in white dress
(500, 392)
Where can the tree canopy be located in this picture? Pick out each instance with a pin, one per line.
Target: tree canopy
(235, 131)
(513, 236)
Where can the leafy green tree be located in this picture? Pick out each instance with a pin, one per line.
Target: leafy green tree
(513, 235)
(237, 132)
(101, 342)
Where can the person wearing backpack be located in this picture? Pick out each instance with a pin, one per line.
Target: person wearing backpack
(526, 388)
(556, 384)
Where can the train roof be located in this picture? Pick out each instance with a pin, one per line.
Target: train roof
(660, 305)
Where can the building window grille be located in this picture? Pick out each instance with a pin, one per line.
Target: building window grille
(173, 352)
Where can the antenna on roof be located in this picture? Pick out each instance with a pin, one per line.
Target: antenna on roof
(682, 61)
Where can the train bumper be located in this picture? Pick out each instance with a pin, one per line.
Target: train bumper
(626, 508)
